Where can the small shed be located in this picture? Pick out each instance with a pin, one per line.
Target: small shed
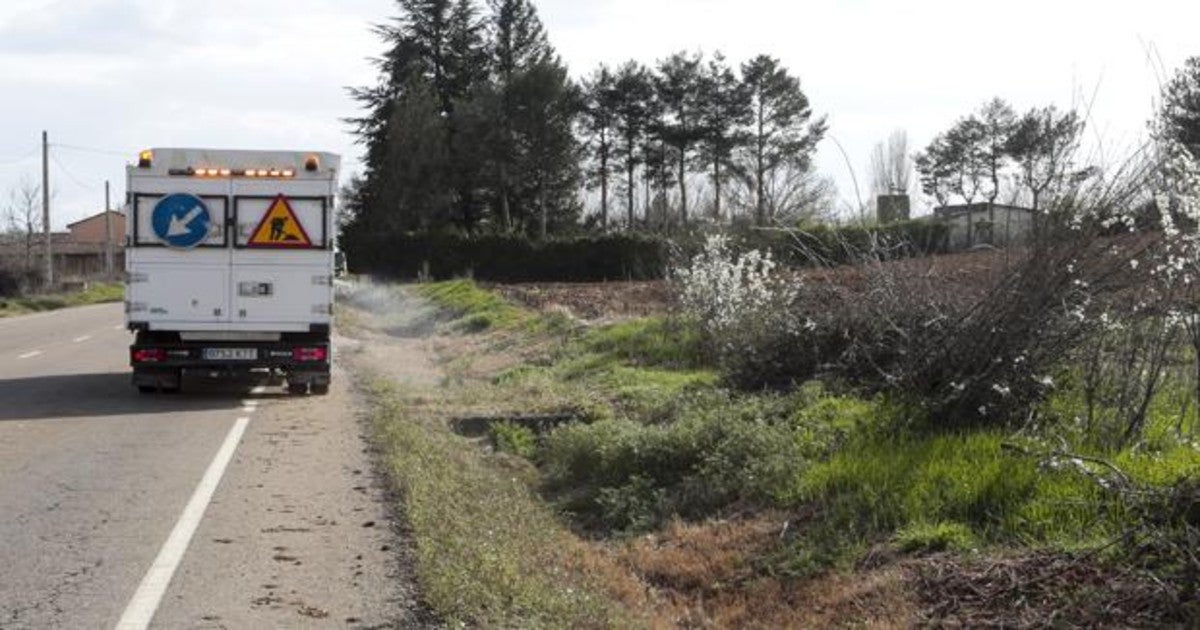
(986, 223)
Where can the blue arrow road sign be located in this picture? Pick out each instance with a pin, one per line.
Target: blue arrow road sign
(181, 220)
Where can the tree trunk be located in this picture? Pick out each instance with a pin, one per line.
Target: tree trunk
(717, 190)
(505, 216)
(683, 205)
(604, 189)
(544, 213)
(629, 192)
(760, 208)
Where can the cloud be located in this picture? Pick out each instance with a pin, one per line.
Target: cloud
(120, 76)
(125, 74)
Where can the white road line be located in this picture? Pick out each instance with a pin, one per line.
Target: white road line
(81, 338)
(30, 355)
(140, 611)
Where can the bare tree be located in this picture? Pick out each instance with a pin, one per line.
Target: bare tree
(23, 215)
(892, 166)
(791, 194)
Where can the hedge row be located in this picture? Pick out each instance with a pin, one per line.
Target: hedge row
(517, 258)
(512, 258)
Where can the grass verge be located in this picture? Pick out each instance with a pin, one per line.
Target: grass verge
(489, 552)
(477, 309)
(660, 445)
(96, 293)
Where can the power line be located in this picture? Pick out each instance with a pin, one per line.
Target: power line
(76, 147)
(70, 175)
(18, 160)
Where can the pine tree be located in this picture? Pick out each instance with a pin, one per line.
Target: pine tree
(724, 114)
(1180, 110)
(782, 129)
(533, 107)
(599, 127)
(634, 115)
(1042, 144)
(435, 50)
(996, 123)
(678, 86)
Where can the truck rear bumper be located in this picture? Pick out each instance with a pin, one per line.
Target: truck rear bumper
(292, 357)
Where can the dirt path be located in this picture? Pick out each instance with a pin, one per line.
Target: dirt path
(389, 334)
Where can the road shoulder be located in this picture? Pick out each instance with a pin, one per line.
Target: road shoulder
(299, 533)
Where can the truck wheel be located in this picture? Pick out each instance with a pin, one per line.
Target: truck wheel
(297, 389)
(320, 390)
(147, 389)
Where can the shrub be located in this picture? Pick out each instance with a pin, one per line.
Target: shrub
(719, 450)
(740, 303)
(510, 437)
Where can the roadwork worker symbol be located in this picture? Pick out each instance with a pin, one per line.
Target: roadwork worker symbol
(280, 228)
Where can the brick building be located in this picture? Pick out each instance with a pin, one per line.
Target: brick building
(79, 253)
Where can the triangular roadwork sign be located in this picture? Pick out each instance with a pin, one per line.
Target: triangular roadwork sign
(279, 228)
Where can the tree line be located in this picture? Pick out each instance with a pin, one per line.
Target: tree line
(475, 125)
(997, 155)
(994, 152)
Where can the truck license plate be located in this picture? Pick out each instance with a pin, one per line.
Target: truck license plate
(230, 354)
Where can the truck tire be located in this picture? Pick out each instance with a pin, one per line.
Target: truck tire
(320, 390)
(297, 389)
(147, 389)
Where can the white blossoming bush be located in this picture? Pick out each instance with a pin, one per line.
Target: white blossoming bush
(741, 303)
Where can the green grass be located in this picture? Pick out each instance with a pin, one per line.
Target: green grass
(96, 293)
(475, 308)
(652, 341)
(510, 437)
(663, 440)
(935, 537)
(716, 450)
(489, 552)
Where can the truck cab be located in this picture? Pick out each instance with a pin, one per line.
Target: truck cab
(230, 265)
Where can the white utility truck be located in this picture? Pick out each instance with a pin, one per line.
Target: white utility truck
(230, 261)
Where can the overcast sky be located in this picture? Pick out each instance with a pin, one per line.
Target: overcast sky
(109, 77)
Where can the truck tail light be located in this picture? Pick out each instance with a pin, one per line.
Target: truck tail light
(149, 355)
(315, 354)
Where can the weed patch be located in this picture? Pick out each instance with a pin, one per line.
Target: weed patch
(489, 553)
(718, 451)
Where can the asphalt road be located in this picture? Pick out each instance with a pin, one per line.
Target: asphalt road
(95, 479)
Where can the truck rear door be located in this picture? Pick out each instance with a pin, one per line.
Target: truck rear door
(281, 259)
(178, 288)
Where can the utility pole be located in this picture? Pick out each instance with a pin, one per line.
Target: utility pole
(108, 248)
(46, 209)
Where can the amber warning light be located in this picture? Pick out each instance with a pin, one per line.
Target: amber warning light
(193, 171)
